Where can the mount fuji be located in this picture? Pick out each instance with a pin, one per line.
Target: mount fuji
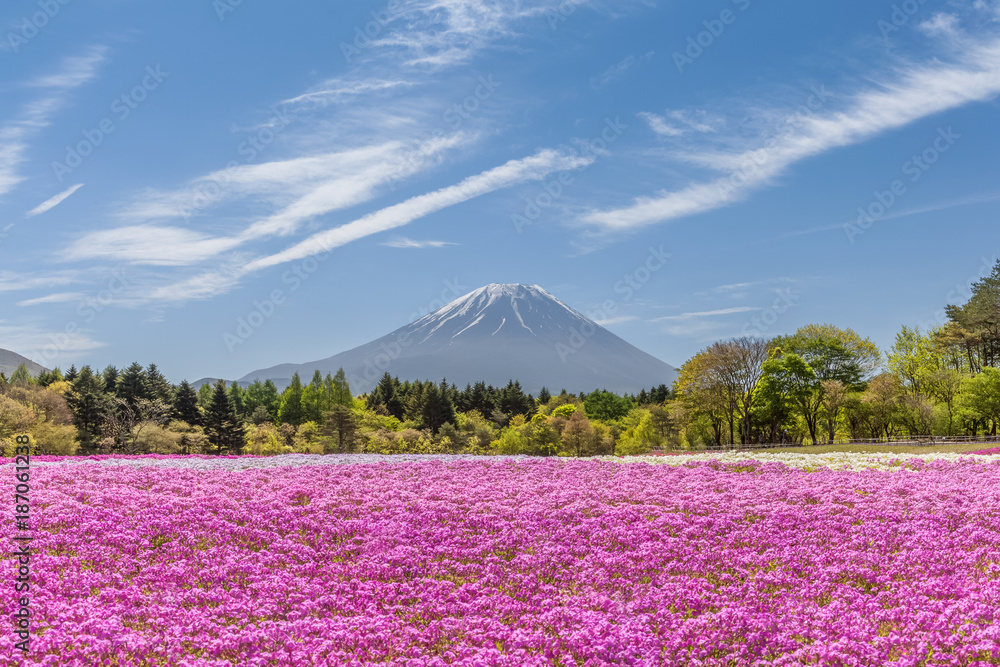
(495, 333)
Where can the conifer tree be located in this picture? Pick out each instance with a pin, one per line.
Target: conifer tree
(221, 426)
(186, 404)
(291, 403)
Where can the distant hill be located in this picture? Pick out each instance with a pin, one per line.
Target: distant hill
(494, 334)
(9, 361)
(210, 381)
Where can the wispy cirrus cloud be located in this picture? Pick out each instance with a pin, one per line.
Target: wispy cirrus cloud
(54, 201)
(913, 92)
(704, 313)
(404, 242)
(532, 168)
(16, 133)
(60, 297)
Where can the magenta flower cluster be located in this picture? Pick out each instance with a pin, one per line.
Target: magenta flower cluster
(494, 562)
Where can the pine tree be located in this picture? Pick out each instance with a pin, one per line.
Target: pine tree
(88, 402)
(342, 390)
(157, 385)
(110, 377)
(438, 409)
(513, 400)
(342, 426)
(544, 396)
(186, 404)
(221, 426)
(132, 386)
(291, 402)
(71, 373)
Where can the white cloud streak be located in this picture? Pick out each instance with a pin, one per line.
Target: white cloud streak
(916, 93)
(52, 202)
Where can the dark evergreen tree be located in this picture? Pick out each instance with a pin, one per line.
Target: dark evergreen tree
(513, 400)
(224, 431)
(132, 386)
(482, 399)
(341, 425)
(186, 404)
(70, 374)
(88, 402)
(110, 377)
(437, 409)
(157, 385)
(544, 396)
(390, 394)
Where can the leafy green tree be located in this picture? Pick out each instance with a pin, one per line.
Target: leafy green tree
(604, 405)
(578, 436)
(981, 396)
(788, 375)
(236, 397)
(312, 398)
(21, 375)
(341, 390)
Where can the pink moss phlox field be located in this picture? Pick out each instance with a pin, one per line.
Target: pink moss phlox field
(499, 562)
(994, 450)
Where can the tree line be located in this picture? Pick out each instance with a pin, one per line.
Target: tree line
(819, 384)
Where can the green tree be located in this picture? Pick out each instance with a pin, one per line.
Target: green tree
(185, 405)
(221, 425)
(604, 405)
(291, 411)
(340, 424)
(88, 402)
(132, 386)
(340, 390)
(437, 408)
(981, 396)
(21, 375)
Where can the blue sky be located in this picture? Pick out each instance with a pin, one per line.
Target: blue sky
(328, 172)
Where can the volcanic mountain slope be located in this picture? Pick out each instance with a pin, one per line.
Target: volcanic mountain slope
(495, 333)
(9, 361)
